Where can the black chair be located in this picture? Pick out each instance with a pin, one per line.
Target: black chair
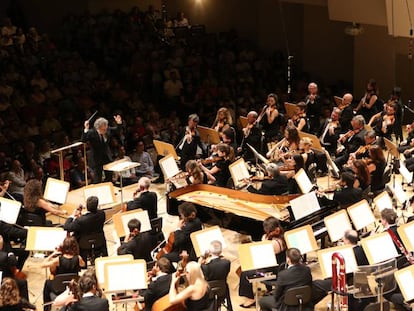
(298, 297)
(156, 226)
(61, 281)
(220, 293)
(30, 219)
(94, 244)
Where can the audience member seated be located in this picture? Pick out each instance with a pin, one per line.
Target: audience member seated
(17, 180)
(144, 199)
(146, 167)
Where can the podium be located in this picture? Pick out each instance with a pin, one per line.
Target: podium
(120, 166)
(59, 151)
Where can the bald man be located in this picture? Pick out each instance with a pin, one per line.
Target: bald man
(314, 107)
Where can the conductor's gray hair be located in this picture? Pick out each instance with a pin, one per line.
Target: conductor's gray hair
(100, 122)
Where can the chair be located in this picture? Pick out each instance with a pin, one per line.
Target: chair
(219, 292)
(60, 282)
(30, 219)
(92, 243)
(298, 296)
(156, 226)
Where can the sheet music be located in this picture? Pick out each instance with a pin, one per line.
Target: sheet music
(399, 193)
(142, 216)
(205, 237)
(102, 261)
(325, 259)
(239, 172)
(263, 256)
(303, 181)
(383, 201)
(300, 240)
(408, 176)
(361, 214)
(46, 239)
(169, 167)
(304, 205)
(103, 191)
(118, 280)
(380, 247)
(337, 224)
(56, 190)
(409, 232)
(9, 210)
(123, 166)
(405, 280)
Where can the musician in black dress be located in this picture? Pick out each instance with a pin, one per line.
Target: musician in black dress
(220, 170)
(329, 132)
(190, 144)
(252, 135)
(376, 167)
(300, 119)
(272, 119)
(367, 106)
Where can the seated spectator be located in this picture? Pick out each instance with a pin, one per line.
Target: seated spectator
(144, 158)
(17, 180)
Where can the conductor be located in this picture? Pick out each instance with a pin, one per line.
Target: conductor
(99, 138)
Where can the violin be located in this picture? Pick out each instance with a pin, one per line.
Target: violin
(211, 160)
(168, 246)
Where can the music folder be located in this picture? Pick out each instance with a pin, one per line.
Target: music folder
(56, 190)
(201, 239)
(208, 135)
(302, 238)
(121, 221)
(379, 247)
(325, 259)
(405, 280)
(118, 275)
(257, 255)
(9, 210)
(164, 149)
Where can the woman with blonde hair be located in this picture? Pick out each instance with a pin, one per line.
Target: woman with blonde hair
(196, 295)
(223, 120)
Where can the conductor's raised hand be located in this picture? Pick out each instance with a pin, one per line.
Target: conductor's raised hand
(86, 125)
(118, 119)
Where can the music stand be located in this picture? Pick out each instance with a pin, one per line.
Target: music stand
(258, 155)
(336, 224)
(164, 149)
(379, 247)
(59, 151)
(44, 238)
(120, 166)
(338, 100)
(238, 171)
(56, 190)
(9, 210)
(104, 191)
(325, 259)
(302, 238)
(171, 171)
(393, 151)
(121, 221)
(405, 280)
(201, 239)
(100, 263)
(406, 233)
(383, 201)
(243, 122)
(208, 136)
(290, 109)
(304, 205)
(303, 181)
(361, 214)
(316, 144)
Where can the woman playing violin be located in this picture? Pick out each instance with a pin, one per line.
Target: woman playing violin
(362, 175)
(287, 147)
(65, 259)
(195, 173)
(299, 120)
(376, 168)
(223, 120)
(273, 231)
(383, 122)
(220, 171)
(367, 105)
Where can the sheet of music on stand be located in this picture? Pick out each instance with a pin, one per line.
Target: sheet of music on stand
(336, 224)
(116, 276)
(102, 261)
(201, 239)
(44, 238)
(405, 173)
(379, 247)
(170, 170)
(104, 191)
(361, 214)
(257, 255)
(406, 232)
(302, 238)
(383, 201)
(239, 172)
(303, 181)
(9, 210)
(304, 205)
(325, 259)
(56, 190)
(405, 280)
(121, 221)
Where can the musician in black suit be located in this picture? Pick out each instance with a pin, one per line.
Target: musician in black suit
(147, 200)
(13, 233)
(99, 138)
(314, 107)
(91, 222)
(351, 140)
(329, 132)
(347, 195)
(189, 222)
(347, 112)
(89, 300)
(137, 243)
(296, 274)
(216, 267)
(160, 283)
(276, 185)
